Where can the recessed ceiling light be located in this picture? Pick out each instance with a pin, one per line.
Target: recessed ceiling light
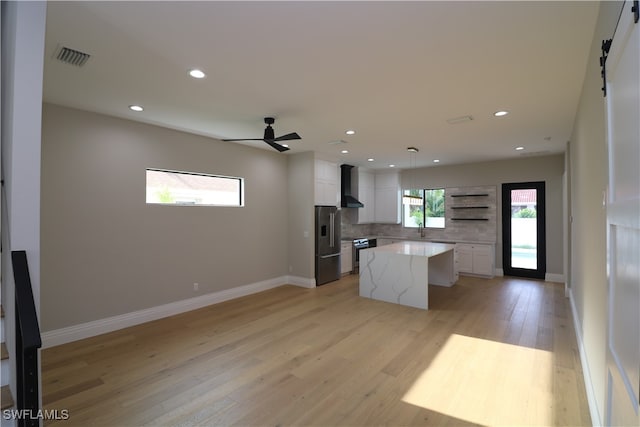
(345, 151)
(350, 132)
(392, 166)
(436, 161)
(500, 113)
(136, 108)
(370, 160)
(519, 148)
(197, 74)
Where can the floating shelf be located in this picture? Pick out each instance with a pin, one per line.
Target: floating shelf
(470, 195)
(469, 219)
(469, 207)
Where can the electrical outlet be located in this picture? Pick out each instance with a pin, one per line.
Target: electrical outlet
(196, 286)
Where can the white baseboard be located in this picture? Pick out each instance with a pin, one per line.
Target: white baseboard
(110, 324)
(588, 383)
(303, 282)
(499, 272)
(552, 277)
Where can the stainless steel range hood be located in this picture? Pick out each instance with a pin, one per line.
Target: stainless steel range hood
(348, 201)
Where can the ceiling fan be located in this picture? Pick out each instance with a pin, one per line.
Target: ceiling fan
(269, 136)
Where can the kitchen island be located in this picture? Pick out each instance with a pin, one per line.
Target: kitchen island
(401, 272)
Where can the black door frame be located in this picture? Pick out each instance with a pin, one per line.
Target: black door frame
(540, 271)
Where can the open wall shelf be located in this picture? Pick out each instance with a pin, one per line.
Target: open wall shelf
(472, 206)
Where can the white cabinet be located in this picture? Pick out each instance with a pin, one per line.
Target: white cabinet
(387, 198)
(475, 259)
(326, 183)
(366, 195)
(380, 195)
(346, 257)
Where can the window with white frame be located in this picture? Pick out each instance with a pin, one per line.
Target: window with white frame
(168, 187)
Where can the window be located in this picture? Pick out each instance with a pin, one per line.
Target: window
(190, 188)
(423, 208)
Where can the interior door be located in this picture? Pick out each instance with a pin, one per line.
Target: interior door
(623, 223)
(523, 230)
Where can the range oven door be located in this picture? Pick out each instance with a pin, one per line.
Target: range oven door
(358, 244)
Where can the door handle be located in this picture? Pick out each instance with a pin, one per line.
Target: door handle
(329, 256)
(332, 220)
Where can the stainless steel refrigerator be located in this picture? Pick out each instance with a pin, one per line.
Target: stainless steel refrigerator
(327, 244)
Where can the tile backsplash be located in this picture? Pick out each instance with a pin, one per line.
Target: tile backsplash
(465, 225)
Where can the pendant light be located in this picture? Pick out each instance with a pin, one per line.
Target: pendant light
(408, 198)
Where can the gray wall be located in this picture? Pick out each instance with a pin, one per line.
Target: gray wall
(588, 169)
(105, 252)
(546, 168)
(301, 215)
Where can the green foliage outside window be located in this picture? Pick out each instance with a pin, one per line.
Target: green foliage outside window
(434, 203)
(427, 210)
(525, 213)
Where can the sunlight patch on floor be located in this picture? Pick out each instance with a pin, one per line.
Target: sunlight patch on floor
(487, 382)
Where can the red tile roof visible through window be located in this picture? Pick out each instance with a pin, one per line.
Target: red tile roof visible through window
(521, 197)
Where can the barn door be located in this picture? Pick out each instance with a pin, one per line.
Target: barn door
(623, 222)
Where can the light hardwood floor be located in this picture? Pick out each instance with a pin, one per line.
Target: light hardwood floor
(488, 352)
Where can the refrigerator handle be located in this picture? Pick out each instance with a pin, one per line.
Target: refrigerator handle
(332, 220)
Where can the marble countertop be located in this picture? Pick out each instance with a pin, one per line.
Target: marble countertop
(426, 249)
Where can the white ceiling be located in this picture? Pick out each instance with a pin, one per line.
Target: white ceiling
(393, 71)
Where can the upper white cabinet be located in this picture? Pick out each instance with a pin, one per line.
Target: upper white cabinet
(366, 195)
(387, 198)
(380, 195)
(327, 188)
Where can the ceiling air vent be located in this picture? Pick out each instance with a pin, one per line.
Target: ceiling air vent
(71, 56)
(458, 120)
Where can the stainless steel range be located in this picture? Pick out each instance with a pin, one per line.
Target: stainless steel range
(358, 244)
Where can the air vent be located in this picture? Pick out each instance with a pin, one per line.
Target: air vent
(71, 56)
(337, 142)
(458, 120)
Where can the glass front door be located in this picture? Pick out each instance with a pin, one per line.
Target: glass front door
(523, 234)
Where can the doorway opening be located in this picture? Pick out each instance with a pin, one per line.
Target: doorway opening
(523, 230)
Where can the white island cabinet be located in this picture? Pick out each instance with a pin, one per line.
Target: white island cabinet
(400, 273)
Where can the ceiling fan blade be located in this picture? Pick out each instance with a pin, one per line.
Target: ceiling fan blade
(244, 139)
(288, 137)
(275, 145)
